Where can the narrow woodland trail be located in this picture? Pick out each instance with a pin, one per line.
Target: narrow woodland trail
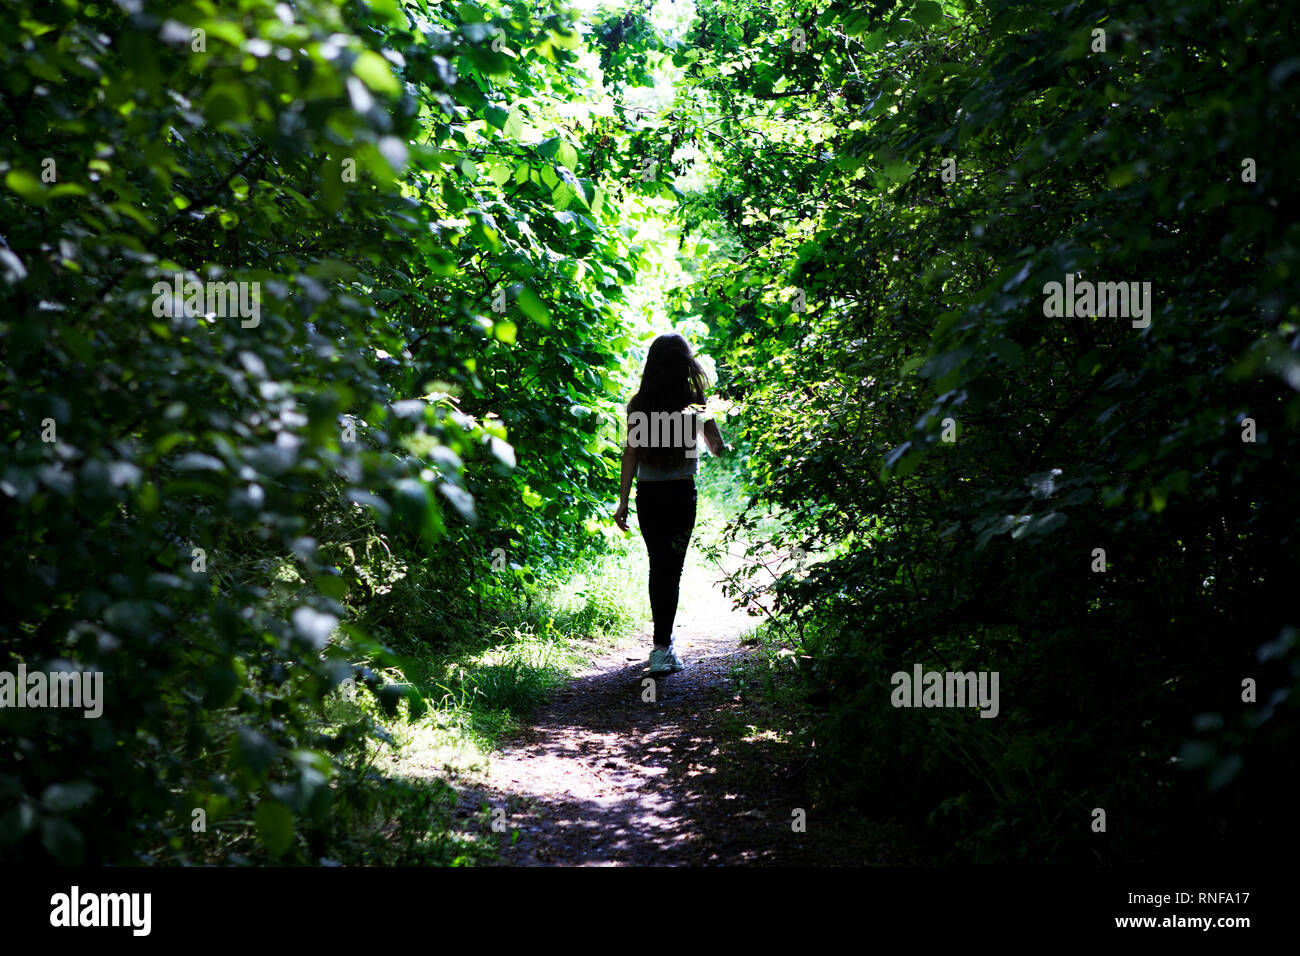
(603, 777)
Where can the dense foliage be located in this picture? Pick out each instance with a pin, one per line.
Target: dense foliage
(434, 216)
(903, 189)
(193, 499)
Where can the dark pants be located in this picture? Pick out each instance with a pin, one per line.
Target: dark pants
(666, 513)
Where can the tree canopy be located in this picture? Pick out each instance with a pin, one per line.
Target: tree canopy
(320, 318)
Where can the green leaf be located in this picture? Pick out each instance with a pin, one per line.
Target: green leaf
(254, 751)
(390, 11)
(567, 155)
(374, 71)
(534, 308)
(63, 797)
(470, 13)
(514, 125)
(857, 22)
(566, 41)
(274, 823)
(928, 13)
(27, 186)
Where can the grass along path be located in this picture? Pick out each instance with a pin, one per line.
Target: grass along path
(549, 752)
(604, 776)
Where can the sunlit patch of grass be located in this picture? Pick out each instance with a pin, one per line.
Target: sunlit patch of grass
(435, 745)
(480, 687)
(722, 499)
(479, 691)
(395, 806)
(405, 821)
(606, 597)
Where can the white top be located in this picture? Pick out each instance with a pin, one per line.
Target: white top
(687, 469)
(661, 432)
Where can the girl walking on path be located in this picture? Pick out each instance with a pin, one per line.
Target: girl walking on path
(662, 454)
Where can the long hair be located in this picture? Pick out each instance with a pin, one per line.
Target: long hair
(672, 381)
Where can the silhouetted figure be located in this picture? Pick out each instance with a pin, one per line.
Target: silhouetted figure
(662, 453)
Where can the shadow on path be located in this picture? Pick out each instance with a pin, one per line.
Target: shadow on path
(605, 775)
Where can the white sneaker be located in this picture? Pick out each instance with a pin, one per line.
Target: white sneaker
(663, 660)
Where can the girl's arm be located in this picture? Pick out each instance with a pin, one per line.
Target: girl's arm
(625, 485)
(713, 438)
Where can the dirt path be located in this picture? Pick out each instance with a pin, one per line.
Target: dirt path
(605, 777)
